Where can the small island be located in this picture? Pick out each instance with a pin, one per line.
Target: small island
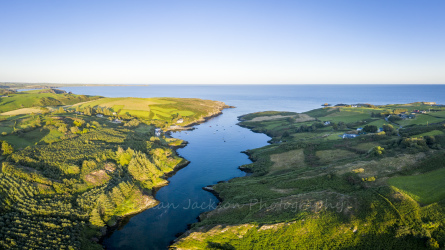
(356, 176)
(72, 165)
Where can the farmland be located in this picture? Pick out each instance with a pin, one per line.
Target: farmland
(165, 111)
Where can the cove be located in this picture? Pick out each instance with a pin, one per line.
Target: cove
(215, 155)
(214, 151)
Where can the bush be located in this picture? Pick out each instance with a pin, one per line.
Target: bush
(6, 148)
(377, 151)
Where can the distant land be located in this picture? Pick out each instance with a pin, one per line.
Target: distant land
(19, 85)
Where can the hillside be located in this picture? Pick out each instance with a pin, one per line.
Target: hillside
(335, 178)
(39, 98)
(68, 176)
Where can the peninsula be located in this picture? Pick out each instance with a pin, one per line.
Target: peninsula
(354, 176)
(72, 166)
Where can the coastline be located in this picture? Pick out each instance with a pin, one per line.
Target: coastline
(210, 189)
(121, 221)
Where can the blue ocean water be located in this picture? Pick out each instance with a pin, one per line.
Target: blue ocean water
(215, 147)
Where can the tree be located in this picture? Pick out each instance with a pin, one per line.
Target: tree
(61, 110)
(377, 150)
(88, 111)
(63, 129)
(430, 140)
(370, 128)
(6, 148)
(95, 218)
(342, 126)
(388, 128)
(74, 130)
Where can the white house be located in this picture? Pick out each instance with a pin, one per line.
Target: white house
(180, 120)
(100, 115)
(158, 131)
(349, 136)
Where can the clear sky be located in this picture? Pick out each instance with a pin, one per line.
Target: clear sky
(210, 41)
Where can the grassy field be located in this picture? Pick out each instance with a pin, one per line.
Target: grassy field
(287, 160)
(424, 188)
(127, 103)
(332, 155)
(431, 133)
(163, 109)
(438, 114)
(379, 123)
(346, 116)
(23, 111)
(421, 119)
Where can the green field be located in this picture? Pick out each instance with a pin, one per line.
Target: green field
(421, 119)
(137, 113)
(347, 116)
(431, 133)
(424, 188)
(379, 123)
(438, 114)
(166, 110)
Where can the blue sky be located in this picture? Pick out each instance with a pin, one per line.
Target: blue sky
(218, 42)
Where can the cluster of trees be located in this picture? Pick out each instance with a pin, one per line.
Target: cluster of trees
(370, 129)
(92, 111)
(49, 101)
(30, 220)
(62, 198)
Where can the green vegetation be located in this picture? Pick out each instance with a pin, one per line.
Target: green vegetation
(164, 112)
(66, 174)
(331, 179)
(424, 188)
(39, 98)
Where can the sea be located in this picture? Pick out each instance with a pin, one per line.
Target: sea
(215, 147)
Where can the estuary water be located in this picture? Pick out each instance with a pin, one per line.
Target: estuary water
(215, 146)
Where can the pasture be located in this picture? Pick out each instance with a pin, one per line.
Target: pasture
(424, 188)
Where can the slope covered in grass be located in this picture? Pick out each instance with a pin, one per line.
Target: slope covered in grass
(39, 98)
